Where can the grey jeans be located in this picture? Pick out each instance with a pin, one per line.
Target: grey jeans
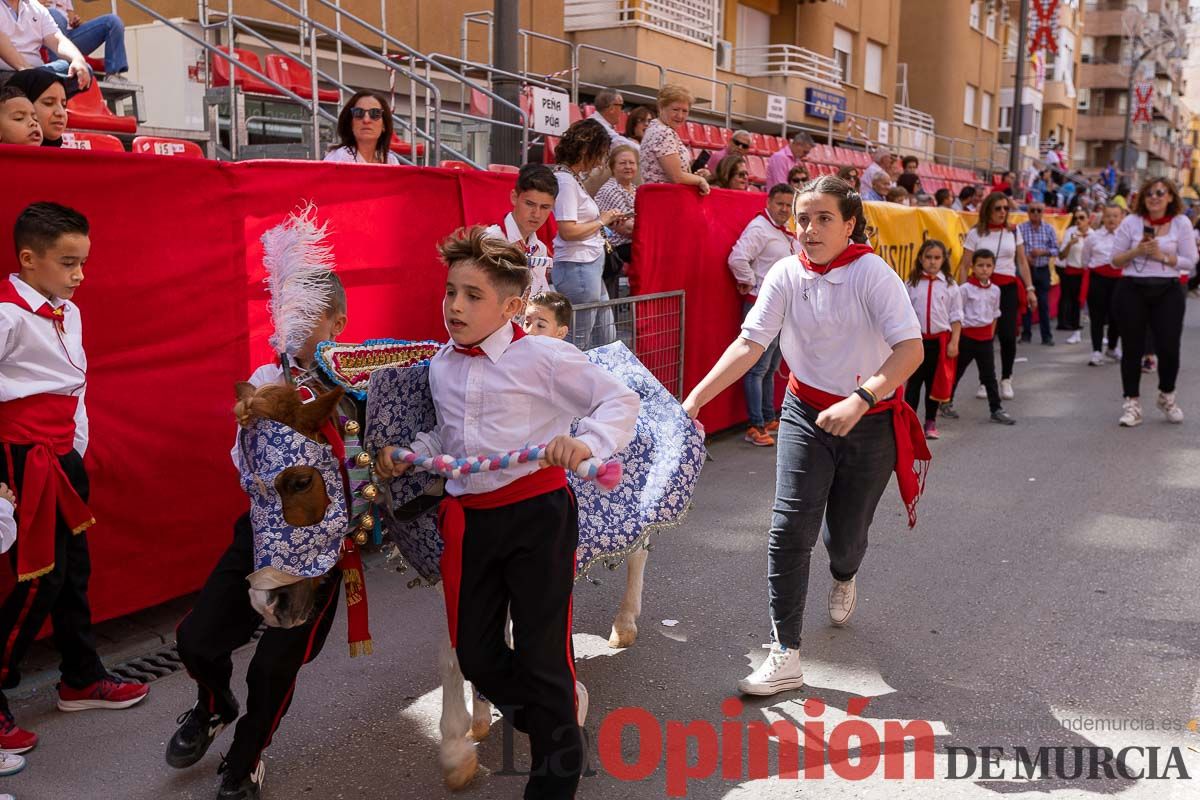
(838, 478)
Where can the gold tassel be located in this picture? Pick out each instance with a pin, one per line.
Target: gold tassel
(29, 576)
(84, 526)
(363, 648)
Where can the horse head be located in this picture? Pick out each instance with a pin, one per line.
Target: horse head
(298, 505)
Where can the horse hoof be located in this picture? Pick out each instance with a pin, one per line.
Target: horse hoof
(480, 729)
(623, 636)
(459, 771)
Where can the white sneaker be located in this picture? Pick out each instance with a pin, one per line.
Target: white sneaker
(842, 599)
(10, 764)
(981, 394)
(581, 703)
(1097, 359)
(1131, 415)
(1074, 337)
(1113, 353)
(779, 673)
(1166, 404)
(1006, 390)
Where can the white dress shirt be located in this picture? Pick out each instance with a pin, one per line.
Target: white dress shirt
(936, 303)
(1098, 249)
(8, 525)
(535, 251)
(349, 155)
(980, 304)
(615, 138)
(1003, 244)
(27, 31)
(836, 329)
(522, 392)
(36, 359)
(1075, 254)
(1177, 241)
(759, 247)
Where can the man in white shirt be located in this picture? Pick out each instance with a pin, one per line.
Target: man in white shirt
(106, 30)
(609, 105)
(881, 165)
(533, 201)
(25, 28)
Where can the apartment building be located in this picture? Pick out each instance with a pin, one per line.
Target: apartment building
(1154, 35)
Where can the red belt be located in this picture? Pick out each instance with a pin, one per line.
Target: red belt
(452, 522)
(980, 333)
(912, 452)
(1108, 271)
(45, 422)
(943, 377)
(1022, 299)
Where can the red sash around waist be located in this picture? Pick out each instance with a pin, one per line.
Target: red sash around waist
(1022, 299)
(1108, 271)
(452, 522)
(912, 452)
(980, 333)
(943, 377)
(45, 422)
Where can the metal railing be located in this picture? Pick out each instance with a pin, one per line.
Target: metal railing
(788, 60)
(694, 20)
(650, 325)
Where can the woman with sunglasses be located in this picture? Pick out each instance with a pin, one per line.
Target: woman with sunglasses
(365, 129)
(1154, 249)
(993, 232)
(1071, 291)
(733, 172)
(797, 177)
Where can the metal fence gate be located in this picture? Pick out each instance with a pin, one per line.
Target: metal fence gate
(650, 325)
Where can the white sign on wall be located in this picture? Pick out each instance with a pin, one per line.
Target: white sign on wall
(883, 132)
(776, 108)
(550, 111)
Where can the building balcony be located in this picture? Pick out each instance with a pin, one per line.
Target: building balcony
(690, 20)
(1103, 76)
(1103, 23)
(1100, 127)
(788, 61)
(1058, 94)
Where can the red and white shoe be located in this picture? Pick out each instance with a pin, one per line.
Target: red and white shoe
(12, 738)
(111, 692)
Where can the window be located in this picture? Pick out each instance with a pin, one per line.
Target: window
(975, 13)
(873, 68)
(990, 30)
(1005, 118)
(843, 51)
(969, 105)
(1087, 49)
(1083, 99)
(985, 111)
(1122, 103)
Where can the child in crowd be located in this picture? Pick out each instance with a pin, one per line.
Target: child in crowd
(934, 296)
(18, 121)
(510, 535)
(980, 300)
(533, 201)
(223, 620)
(548, 314)
(44, 432)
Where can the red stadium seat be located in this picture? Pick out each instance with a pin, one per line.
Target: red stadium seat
(297, 77)
(758, 169)
(87, 110)
(461, 166)
(726, 136)
(575, 113)
(506, 169)
(242, 79)
(622, 121)
(403, 148)
(714, 136)
(821, 154)
(97, 64)
(759, 147)
(78, 140)
(548, 149)
(157, 145)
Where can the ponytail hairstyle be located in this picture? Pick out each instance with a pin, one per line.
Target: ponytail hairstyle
(849, 203)
(914, 277)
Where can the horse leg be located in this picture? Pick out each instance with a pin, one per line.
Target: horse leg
(624, 629)
(481, 709)
(459, 761)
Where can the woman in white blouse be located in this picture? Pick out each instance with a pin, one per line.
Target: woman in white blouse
(1154, 248)
(365, 130)
(1070, 301)
(993, 232)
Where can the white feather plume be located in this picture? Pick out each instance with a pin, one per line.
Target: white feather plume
(298, 260)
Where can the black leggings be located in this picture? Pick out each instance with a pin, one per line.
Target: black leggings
(1158, 303)
(1006, 328)
(1101, 289)
(925, 375)
(1069, 286)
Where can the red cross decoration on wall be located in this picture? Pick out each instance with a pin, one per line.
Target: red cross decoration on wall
(1143, 92)
(1044, 26)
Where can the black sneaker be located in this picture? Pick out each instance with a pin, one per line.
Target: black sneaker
(248, 787)
(1003, 418)
(1048, 342)
(197, 729)
(947, 411)
(1026, 338)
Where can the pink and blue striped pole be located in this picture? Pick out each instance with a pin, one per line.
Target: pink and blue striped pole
(606, 473)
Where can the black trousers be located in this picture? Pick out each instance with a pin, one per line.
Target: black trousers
(1069, 287)
(1158, 303)
(924, 377)
(222, 621)
(1101, 291)
(1041, 288)
(983, 355)
(520, 559)
(1006, 327)
(60, 594)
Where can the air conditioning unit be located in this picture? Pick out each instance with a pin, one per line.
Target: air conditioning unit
(725, 55)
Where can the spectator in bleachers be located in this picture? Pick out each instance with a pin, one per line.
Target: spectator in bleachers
(944, 198)
(898, 195)
(579, 247)
(910, 181)
(881, 164)
(739, 144)
(107, 30)
(25, 28)
(924, 200)
(618, 194)
(664, 156)
(909, 165)
(49, 97)
(733, 173)
(849, 174)
(879, 188)
(781, 162)
(364, 128)
(609, 105)
(797, 176)
(18, 122)
(636, 122)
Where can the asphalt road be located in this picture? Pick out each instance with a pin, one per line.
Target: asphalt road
(1046, 599)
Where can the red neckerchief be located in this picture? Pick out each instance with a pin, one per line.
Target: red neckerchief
(791, 240)
(9, 294)
(849, 255)
(476, 350)
(997, 227)
(976, 282)
(1159, 221)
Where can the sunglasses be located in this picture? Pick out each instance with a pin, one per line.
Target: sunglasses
(1158, 193)
(373, 113)
(1001, 208)
(743, 145)
(798, 179)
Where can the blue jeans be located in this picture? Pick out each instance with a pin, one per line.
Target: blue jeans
(818, 475)
(759, 383)
(1041, 285)
(107, 30)
(60, 67)
(582, 282)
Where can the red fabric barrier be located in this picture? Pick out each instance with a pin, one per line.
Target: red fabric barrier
(175, 313)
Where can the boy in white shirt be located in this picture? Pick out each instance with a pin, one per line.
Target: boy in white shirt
(510, 535)
(533, 201)
(980, 299)
(548, 314)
